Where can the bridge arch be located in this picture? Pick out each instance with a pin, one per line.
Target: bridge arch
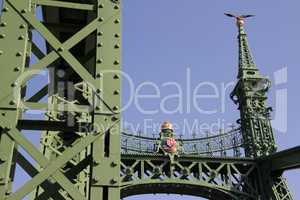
(174, 187)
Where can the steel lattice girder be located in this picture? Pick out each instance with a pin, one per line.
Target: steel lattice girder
(52, 166)
(230, 178)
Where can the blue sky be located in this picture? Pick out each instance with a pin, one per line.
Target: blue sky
(161, 39)
(166, 41)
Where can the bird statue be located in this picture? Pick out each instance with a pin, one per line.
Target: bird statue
(240, 18)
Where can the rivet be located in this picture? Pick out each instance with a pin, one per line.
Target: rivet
(16, 69)
(113, 181)
(100, 19)
(5, 9)
(115, 108)
(116, 7)
(2, 35)
(116, 92)
(21, 37)
(23, 11)
(99, 60)
(117, 35)
(96, 162)
(13, 85)
(97, 108)
(1, 52)
(116, 62)
(3, 24)
(101, 6)
(3, 114)
(116, 76)
(12, 102)
(6, 128)
(19, 53)
(100, 33)
(117, 46)
(114, 118)
(117, 21)
(22, 26)
(100, 44)
(96, 178)
(99, 75)
(113, 164)
(98, 91)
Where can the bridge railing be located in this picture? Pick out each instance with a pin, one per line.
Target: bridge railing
(225, 144)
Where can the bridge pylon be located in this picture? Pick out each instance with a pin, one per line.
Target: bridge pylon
(250, 96)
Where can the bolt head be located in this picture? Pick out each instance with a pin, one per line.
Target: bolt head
(113, 164)
(114, 118)
(116, 92)
(113, 181)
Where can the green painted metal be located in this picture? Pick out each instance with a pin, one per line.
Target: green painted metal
(250, 95)
(80, 150)
(226, 143)
(67, 164)
(217, 178)
(284, 160)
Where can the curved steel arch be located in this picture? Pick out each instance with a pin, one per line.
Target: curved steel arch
(175, 187)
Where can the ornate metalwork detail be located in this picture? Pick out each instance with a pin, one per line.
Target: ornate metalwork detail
(250, 95)
(280, 189)
(232, 177)
(229, 142)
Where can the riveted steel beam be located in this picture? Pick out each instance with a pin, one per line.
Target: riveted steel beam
(283, 160)
(62, 4)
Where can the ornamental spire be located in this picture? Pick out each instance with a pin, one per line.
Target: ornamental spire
(246, 63)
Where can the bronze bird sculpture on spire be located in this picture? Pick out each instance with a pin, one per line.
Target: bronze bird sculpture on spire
(239, 18)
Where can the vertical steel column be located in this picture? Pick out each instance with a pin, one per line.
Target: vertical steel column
(13, 59)
(106, 150)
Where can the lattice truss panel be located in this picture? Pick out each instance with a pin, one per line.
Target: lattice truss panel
(81, 118)
(232, 177)
(280, 189)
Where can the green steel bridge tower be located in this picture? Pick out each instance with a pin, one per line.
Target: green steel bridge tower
(83, 154)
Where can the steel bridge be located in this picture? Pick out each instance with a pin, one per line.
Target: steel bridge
(83, 154)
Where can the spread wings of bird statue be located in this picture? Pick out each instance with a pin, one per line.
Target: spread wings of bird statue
(239, 18)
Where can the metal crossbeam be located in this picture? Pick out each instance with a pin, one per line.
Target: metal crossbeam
(283, 160)
(61, 4)
(230, 175)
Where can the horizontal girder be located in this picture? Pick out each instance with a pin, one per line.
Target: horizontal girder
(225, 178)
(284, 160)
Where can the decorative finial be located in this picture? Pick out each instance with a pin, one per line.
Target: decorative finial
(240, 20)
